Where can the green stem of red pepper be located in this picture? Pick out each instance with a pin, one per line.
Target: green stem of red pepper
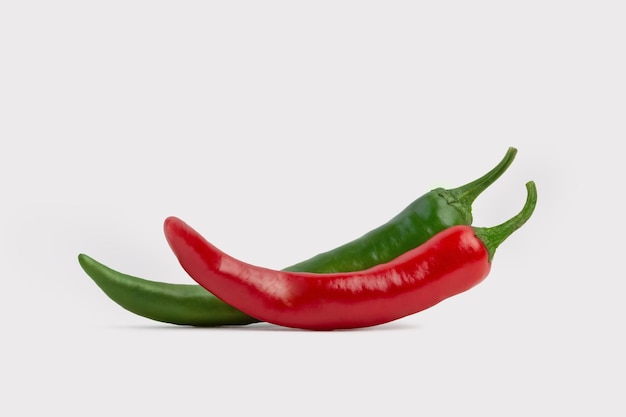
(492, 237)
(449, 263)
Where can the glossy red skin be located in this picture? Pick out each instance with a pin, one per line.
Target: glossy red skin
(451, 262)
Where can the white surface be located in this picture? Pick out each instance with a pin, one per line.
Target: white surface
(280, 130)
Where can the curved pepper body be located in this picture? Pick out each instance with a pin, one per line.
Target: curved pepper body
(192, 305)
(449, 263)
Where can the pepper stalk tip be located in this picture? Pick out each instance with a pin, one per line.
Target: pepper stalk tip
(493, 236)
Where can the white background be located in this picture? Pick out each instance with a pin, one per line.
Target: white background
(280, 129)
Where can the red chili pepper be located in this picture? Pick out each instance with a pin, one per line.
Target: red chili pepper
(451, 262)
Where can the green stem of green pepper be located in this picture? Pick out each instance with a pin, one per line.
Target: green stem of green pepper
(194, 306)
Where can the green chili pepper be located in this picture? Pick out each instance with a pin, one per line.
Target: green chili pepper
(192, 305)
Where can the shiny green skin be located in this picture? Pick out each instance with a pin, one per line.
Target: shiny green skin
(192, 305)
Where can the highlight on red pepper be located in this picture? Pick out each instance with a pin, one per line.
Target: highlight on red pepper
(451, 262)
(192, 305)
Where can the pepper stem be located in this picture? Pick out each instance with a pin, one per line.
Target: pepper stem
(466, 194)
(492, 237)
